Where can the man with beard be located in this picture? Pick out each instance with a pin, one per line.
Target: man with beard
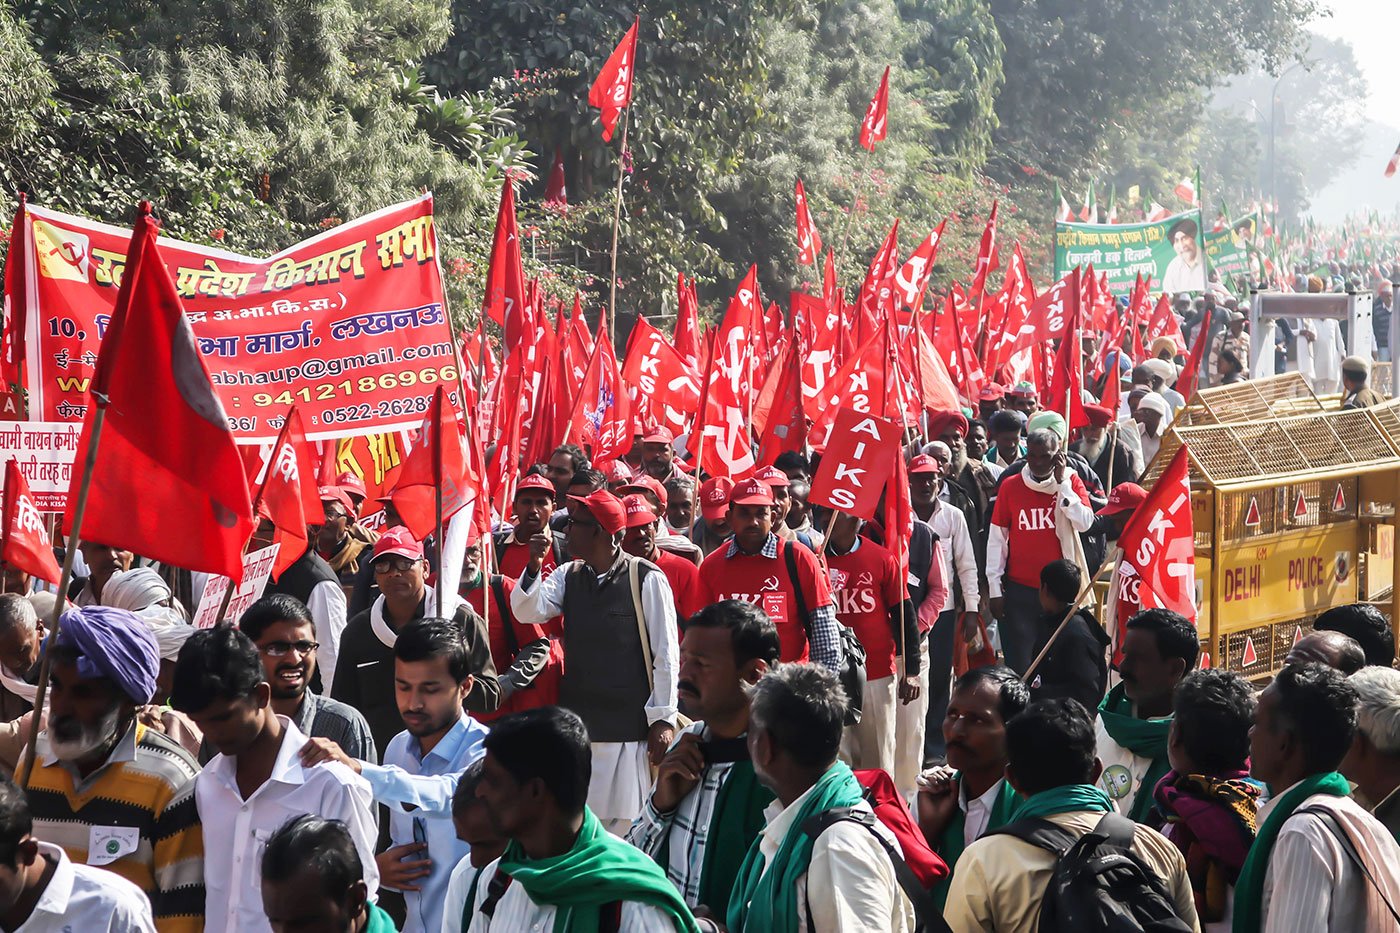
(334, 542)
(21, 635)
(102, 561)
(961, 802)
(713, 531)
(111, 792)
(651, 490)
(433, 672)
(1152, 416)
(365, 678)
(285, 636)
(706, 804)
(248, 790)
(566, 461)
(532, 508)
(1109, 457)
(972, 477)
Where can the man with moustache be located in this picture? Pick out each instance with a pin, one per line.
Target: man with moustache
(340, 549)
(961, 802)
(1109, 457)
(433, 672)
(707, 805)
(111, 792)
(285, 635)
(21, 635)
(102, 561)
(532, 508)
(641, 539)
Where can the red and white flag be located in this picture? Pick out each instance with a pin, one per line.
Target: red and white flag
(988, 259)
(24, 544)
(506, 302)
(602, 415)
(872, 128)
(722, 437)
(168, 482)
(809, 242)
(1393, 164)
(439, 461)
(16, 297)
(612, 89)
(1159, 542)
(1186, 190)
(687, 333)
(912, 278)
(665, 389)
(287, 494)
(1156, 212)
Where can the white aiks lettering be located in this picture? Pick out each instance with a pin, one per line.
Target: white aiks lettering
(1036, 519)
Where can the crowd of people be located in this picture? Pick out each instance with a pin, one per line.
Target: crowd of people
(659, 702)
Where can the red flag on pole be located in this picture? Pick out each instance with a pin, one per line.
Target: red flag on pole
(785, 422)
(1187, 380)
(556, 192)
(809, 242)
(168, 482)
(505, 280)
(860, 455)
(872, 128)
(1159, 541)
(912, 278)
(687, 333)
(439, 460)
(288, 496)
(1066, 378)
(988, 260)
(602, 417)
(16, 297)
(1393, 164)
(24, 544)
(612, 89)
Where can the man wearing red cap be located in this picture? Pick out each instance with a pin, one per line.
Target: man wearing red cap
(334, 542)
(1123, 602)
(641, 541)
(658, 454)
(652, 490)
(974, 478)
(712, 531)
(989, 400)
(364, 677)
(620, 653)
(783, 579)
(531, 510)
(778, 481)
(1104, 450)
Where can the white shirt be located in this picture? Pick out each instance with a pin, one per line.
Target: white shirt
(516, 913)
(327, 607)
(1312, 886)
(455, 900)
(236, 831)
(850, 885)
(951, 527)
(977, 813)
(92, 900)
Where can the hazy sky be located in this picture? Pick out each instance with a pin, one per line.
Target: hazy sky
(1373, 29)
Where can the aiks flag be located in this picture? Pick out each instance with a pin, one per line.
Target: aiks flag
(809, 243)
(287, 494)
(612, 89)
(1159, 541)
(505, 280)
(168, 482)
(16, 297)
(24, 544)
(438, 461)
(872, 128)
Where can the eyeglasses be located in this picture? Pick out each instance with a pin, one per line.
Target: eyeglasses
(278, 649)
(394, 565)
(335, 515)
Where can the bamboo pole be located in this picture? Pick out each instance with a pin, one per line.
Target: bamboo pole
(617, 224)
(1069, 614)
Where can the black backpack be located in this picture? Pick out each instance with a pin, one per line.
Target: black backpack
(1099, 885)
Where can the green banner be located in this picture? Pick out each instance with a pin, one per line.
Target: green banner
(1228, 251)
(1170, 250)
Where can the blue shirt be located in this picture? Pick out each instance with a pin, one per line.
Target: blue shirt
(418, 790)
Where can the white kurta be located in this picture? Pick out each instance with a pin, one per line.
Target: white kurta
(516, 913)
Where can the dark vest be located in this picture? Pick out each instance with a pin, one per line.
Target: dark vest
(921, 539)
(302, 577)
(605, 675)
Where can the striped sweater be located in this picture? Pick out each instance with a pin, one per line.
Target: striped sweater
(147, 784)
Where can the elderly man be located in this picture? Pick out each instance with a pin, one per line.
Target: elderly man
(680, 505)
(108, 790)
(974, 477)
(1355, 392)
(102, 561)
(1162, 376)
(658, 454)
(21, 635)
(1110, 458)
(1152, 415)
(1047, 507)
(1339, 652)
(619, 650)
(1373, 761)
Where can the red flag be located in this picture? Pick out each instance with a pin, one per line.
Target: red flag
(722, 427)
(16, 297)
(878, 279)
(556, 192)
(1159, 541)
(1187, 380)
(1050, 311)
(168, 482)
(988, 260)
(860, 455)
(602, 416)
(809, 243)
(912, 278)
(899, 515)
(438, 461)
(288, 496)
(829, 280)
(612, 89)
(872, 128)
(24, 544)
(1066, 379)
(687, 333)
(664, 388)
(784, 421)
(1164, 323)
(1017, 331)
(1393, 164)
(506, 300)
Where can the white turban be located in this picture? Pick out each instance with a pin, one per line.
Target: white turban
(1153, 401)
(142, 591)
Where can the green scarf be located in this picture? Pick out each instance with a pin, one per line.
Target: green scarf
(600, 869)
(766, 901)
(951, 845)
(1249, 889)
(1146, 738)
(379, 921)
(737, 821)
(1067, 798)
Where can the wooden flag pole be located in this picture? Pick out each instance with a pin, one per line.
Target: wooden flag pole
(1084, 592)
(617, 224)
(436, 408)
(79, 507)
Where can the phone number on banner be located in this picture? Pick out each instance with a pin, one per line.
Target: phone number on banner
(376, 409)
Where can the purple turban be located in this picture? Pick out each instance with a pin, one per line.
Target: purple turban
(115, 644)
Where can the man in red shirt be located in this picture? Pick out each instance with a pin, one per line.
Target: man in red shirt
(531, 510)
(785, 581)
(871, 599)
(712, 531)
(1038, 517)
(640, 541)
(654, 492)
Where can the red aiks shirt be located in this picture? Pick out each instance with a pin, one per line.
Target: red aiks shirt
(1029, 519)
(545, 689)
(865, 586)
(684, 578)
(765, 582)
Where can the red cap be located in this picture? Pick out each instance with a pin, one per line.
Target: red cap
(1124, 498)
(651, 484)
(606, 508)
(773, 476)
(714, 497)
(752, 491)
(352, 484)
(923, 463)
(1099, 416)
(639, 511)
(339, 496)
(658, 435)
(991, 393)
(617, 472)
(398, 542)
(534, 481)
